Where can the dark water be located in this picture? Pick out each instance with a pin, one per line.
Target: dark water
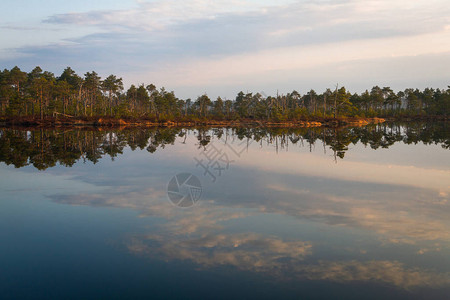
(354, 213)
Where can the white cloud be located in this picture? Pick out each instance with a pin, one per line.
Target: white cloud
(206, 71)
(158, 15)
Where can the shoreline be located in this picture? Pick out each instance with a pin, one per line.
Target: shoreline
(110, 122)
(102, 122)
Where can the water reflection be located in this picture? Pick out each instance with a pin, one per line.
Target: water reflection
(285, 210)
(44, 148)
(404, 227)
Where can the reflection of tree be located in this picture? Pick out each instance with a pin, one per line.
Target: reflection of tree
(14, 148)
(203, 137)
(161, 138)
(45, 148)
(339, 143)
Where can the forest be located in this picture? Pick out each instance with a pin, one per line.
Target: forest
(40, 94)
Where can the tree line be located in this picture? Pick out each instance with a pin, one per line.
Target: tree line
(45, 148)
(42, 94)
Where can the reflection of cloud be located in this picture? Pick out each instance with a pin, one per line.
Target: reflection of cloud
(196, 236)
(152, 202)
(402, 226)
(250, 252)
(199, 235)
(395, 220)
(398, 215)
(120, 197)
(391, 272)
(315, 165)
(425, 250)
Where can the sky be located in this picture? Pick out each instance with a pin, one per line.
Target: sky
(222, 47)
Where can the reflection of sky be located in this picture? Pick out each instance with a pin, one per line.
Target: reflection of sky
(295, 215)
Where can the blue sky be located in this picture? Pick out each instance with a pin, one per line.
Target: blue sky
(222, 47)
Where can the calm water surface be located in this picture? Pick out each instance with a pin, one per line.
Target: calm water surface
(354, 213)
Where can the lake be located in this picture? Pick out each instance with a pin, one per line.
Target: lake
(311, 213)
